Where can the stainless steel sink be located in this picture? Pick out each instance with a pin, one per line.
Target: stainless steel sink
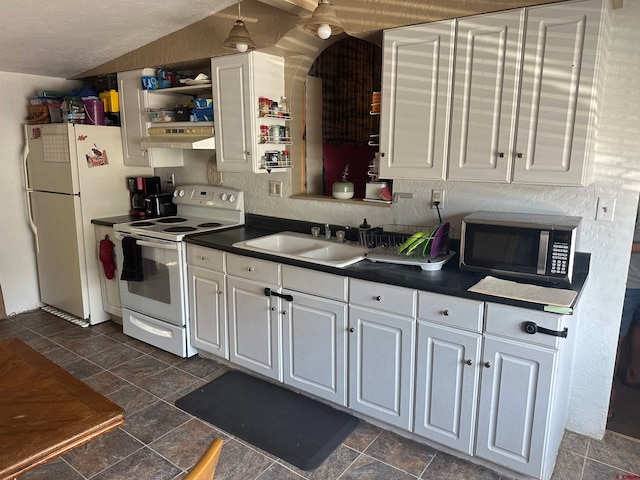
(305, 248)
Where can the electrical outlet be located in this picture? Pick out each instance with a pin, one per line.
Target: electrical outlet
(437, 196)
(171, 180)
(275, 188)
(605, 209)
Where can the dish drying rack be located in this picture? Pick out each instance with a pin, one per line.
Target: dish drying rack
(382, 246)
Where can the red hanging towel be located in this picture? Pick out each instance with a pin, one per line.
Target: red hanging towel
(106, 257)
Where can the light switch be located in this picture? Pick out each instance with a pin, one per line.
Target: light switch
(605, 209)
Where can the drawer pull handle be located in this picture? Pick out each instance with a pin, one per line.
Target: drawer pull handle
(446, 313)
(487, 364)
(250, 269)
(377, 298)
(469, 361)
(270, 293)
(204, 257)
(352, 329)
(532, 328)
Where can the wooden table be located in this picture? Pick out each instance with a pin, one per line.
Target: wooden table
(44, 410)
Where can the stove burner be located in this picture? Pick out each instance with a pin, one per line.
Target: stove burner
(143, 224)
(172, 220)
(180, 229)
(210, 225)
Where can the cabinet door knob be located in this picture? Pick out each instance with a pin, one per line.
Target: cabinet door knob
(468, 361)
(284, 312)
(519, 155)
(377, 298)
(446, 313)
(352, 329)
(220, 292)
(487, 364)
(273, 309)
(250, 269)
(203, 257)
(248, 153)
(501, 154)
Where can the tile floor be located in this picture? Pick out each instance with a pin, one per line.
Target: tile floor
(160, 441)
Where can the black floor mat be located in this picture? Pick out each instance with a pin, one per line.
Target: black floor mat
(290, 426)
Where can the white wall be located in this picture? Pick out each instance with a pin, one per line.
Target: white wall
(617, 175)
(18, 275)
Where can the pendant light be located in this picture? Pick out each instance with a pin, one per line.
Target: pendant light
(239, 37)
(324, 21)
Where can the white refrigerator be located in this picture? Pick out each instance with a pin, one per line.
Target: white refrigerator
(74, 173)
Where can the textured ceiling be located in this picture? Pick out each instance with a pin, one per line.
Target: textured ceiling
(62, 38)
(80, 38)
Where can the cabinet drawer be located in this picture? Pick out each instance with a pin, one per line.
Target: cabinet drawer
(253, 269)
(315, 283)
(453, 311)
(398, 300)
(205, 257)
(507, 321)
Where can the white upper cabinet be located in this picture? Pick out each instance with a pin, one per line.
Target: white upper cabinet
(134, 103)
(487, 72)
(416, 84)
(556, 112)
(514, 104)
(522, 107)
(238, 83)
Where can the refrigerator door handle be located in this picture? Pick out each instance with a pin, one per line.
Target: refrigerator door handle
(32, 224)
(25, 156)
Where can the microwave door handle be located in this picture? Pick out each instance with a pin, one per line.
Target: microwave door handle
(543, 249)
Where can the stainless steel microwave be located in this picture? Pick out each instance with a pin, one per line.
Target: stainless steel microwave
(520, 245)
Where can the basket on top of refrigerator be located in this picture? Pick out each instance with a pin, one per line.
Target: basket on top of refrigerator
(423, 246)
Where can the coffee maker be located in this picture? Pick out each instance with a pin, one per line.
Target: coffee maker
(139, 188)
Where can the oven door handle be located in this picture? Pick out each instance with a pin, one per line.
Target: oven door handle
(151, 244)
(163, 246)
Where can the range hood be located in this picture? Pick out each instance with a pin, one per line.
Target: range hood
(188, 138)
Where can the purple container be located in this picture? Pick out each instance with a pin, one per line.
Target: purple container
(94, 111)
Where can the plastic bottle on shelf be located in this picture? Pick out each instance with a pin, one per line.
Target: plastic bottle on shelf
(283, 110)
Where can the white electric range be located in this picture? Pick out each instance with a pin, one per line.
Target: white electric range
(152, 263)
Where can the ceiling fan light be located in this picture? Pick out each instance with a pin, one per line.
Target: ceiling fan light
(324, 31)
(239, 38)
(324, 20)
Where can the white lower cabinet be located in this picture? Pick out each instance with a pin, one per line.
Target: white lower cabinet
(447, 385)
(514, 404)
(207, 305)
(447, 376)
(254, 316)
(381, 352)
(524, 389)
(314, 333)
(483, 385)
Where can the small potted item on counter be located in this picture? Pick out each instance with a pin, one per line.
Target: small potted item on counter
(343, 190)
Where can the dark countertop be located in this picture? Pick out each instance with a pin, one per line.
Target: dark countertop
(450, 280)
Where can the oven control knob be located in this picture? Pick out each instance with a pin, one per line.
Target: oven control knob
(180, 193)
(232, 198)
(223, 197)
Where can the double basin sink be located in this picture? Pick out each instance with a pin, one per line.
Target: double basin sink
(305, 248)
